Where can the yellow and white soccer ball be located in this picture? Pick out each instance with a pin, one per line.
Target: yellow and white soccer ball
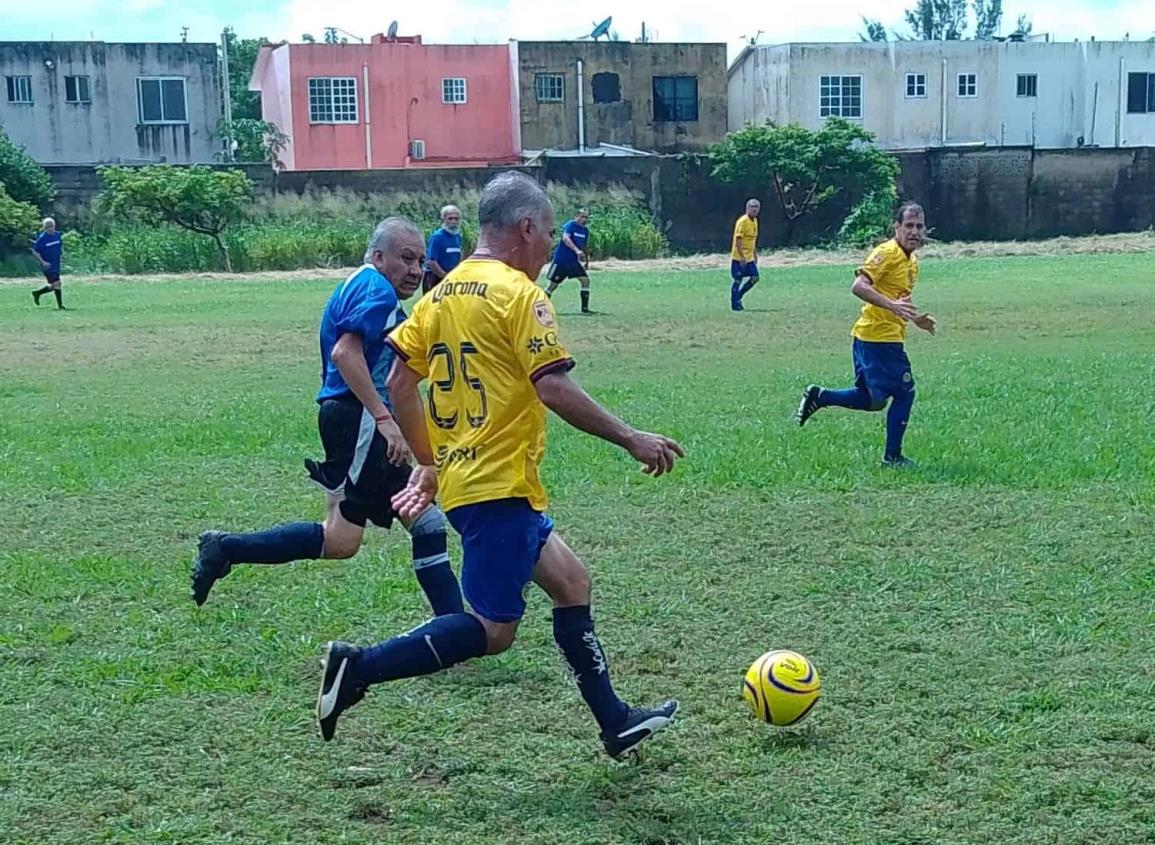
(782, 687)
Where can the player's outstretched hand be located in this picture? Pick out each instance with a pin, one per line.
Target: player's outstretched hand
(418, 494)
(926, 322)
(396, 448)
(655, 452)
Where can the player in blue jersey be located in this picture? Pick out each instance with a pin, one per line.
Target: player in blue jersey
(366, 458)
(570, 260)
(48, 249)
(444, 251)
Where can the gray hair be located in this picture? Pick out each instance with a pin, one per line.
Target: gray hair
(46, 221)
(445, 209)
(386, 232)
(753, 201)
(509, 198)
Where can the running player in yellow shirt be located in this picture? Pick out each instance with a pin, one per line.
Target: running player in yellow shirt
(744, 254)
(486, 339)
(881, 368)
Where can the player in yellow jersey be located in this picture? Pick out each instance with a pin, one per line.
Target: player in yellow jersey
(744, 254)
(486, 339)
(881, 368)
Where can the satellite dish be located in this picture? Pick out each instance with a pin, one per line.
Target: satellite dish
(391, 32)
(602, 28)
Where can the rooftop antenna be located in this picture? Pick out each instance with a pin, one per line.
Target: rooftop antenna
(391, 32)
(184, 35)
(600, 29)
(752, 40)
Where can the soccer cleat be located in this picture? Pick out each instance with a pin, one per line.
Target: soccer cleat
(735, 305)
(640, 725)
(899, 462)
(211, 565)
(338, 690)
(808, 405)
(36, 296)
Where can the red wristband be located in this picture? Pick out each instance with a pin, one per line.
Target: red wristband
(383, 417)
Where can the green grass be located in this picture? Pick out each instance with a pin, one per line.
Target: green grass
(984, 625)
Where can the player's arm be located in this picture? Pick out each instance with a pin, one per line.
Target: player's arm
(348, 356)
(403, 385)
(562, 395)
(568, 241)
(865, 290)
(36, 251)
(435, 268)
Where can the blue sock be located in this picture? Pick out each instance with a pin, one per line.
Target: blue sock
(735, 292)
(295, 541)
(438, 644)
(431, 563)
(746, 287)
(896, 419)
(573, 628)
(855, 398)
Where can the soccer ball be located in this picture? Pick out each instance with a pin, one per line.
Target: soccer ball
(782, 687)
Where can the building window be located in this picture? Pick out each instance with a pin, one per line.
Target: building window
(607, 87)
(332, 99)
(968, 85)
(840, 96)
(1028, 85)
(161, 99)
(453, 90)
(675, 99)
(550, 87)
(76, 89)
(20, 89)
(1140, 93)
(916, 85)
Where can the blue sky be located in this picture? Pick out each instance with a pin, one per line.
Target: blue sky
(489, 21)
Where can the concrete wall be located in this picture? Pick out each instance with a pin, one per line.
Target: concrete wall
(629, 121)
(1008, 194)
(1078, 84)
(108, 129)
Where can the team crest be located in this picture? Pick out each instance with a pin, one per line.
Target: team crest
(543, 314)
(878, 259)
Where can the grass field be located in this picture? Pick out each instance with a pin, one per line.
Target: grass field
(985, 626)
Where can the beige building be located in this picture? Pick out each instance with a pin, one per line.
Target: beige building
(89, 102)
(917, 94)
(648, 96)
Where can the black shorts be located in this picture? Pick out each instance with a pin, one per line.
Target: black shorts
(52, 276)
(558, 273)
(356, 464)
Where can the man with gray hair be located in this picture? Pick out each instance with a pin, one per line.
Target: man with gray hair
(366, 458)
(444, 252)
(487, 341)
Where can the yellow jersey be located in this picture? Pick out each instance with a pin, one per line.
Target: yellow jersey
(745, 239)
(482, 337)
(893, 274)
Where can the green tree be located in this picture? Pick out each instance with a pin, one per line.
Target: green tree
(1024, 26)
(198, 199)
(988, 18)
(243, 52)
(256, 141)
(24, 179)
(18, 220)
(938, 20)
(804, 168)
(875, 31)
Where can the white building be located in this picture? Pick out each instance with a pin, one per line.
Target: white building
(916, 94)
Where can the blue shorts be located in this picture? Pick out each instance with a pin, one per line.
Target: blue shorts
(501, 541)
(881, 368)
(740, 271)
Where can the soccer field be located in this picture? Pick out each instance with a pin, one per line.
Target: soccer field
(984, 625)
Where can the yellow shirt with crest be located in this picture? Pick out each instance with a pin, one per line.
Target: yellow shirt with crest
(482, 337)
(893, 274)
(745, 243)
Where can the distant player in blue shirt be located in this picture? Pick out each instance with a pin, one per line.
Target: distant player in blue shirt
(48, 249)
(570, 260)
(444, 251)
(366, 458)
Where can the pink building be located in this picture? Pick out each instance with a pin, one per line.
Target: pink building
(391, 103)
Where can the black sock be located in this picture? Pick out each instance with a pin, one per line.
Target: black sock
(573, 629)
(43, 290)
(59, 298)
(285, 543)
(585, 300)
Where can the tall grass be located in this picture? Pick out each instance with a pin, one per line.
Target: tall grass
(330, 229)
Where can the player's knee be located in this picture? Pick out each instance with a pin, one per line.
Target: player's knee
(499, 636)
(877, 400)
(430, 546)
(339, 546)
(573, 586)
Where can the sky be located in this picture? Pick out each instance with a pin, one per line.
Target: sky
(492, 21)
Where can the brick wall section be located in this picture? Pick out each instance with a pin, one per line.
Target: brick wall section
(983, 194)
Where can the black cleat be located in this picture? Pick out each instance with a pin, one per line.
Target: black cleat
(640, 725)
(36, 296)
(338, 690)
(899, 462)
(211, 565)
(808, 405)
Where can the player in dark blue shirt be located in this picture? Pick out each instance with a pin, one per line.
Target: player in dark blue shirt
(48, 249)
(444, 251)
(366, 457)
(570, 260)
